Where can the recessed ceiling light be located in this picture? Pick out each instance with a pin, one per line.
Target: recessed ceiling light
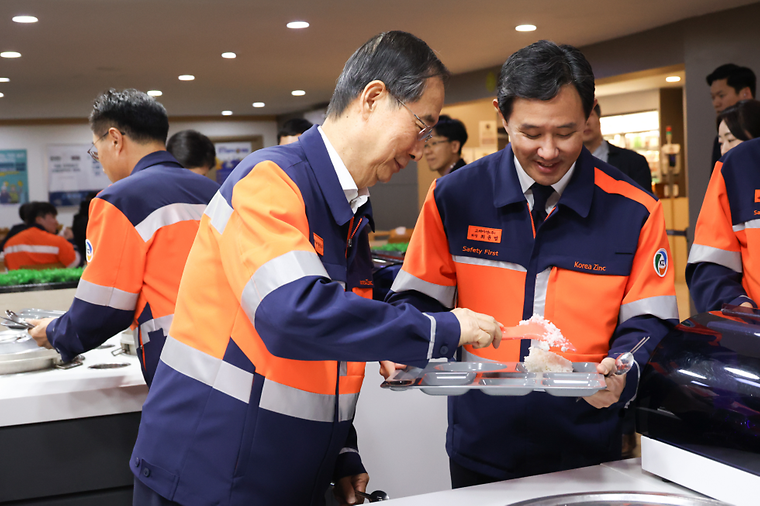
(155, 93)
(25, 19)
(258, 105)
(229, 55)
(672, 79)
(10, 54)
(4, 80)
(297, 25)
(525, 28)
(186, 77)
(298, 93)
(226, 113)
(2, 95)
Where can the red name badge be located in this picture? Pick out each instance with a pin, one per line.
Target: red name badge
(484, 234)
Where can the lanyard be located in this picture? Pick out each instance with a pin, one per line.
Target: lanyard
(351, 232)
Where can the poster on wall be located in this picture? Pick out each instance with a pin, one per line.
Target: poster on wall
(14, 188)
(72, 174)
(228, 155)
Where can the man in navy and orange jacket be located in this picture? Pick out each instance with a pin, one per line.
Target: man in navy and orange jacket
(723, 263)
(139, 233)
(542, 227)
(39, 244)
(254, 397)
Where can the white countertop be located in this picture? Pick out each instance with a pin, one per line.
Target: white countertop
(79, 392)
(623, 475)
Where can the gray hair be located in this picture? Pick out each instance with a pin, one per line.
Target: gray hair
(399, 59)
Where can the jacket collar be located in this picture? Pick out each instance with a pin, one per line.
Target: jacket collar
(577, 196)
(156, 158)
(324, 172)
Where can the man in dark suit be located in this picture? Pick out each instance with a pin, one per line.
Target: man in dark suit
(729, 84)
(629, 162)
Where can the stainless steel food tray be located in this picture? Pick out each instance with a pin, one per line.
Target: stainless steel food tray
(493, 378)
(619, 499)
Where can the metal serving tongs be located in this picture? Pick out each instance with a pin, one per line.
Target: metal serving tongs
(12, 320)
(624, 362)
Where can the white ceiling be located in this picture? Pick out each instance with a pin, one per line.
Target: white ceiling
(82, 47)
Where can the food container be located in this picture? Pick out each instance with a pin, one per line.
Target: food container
(495, 378)
(20, 353)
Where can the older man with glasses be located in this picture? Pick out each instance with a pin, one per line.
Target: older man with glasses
(254, 398)
(139, 233)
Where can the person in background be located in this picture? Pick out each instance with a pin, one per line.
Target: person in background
(728, 84)
(139, 233)
(738, 123)
(629, 162)
(193, 150)
(255, 394)
(443, 151)
(19, 227)
(291, 130)
(541, 227)
(723, 261)
(39, 243)
(79, 225)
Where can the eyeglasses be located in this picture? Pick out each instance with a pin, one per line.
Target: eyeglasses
(433, 144)
(426, 132)
(93, 151)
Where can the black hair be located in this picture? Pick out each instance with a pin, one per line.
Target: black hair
(399, 59)
(742, 119)
(293, 126)
(192, 149)
(540, 70)
(39, 210)
(452, 129)
(133, 112)
(598, 110)
(23, 209)
(736, 77)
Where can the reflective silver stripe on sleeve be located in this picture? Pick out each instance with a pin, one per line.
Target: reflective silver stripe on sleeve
(702, 253)
(168, 215)
(211, 371)
(431, 347)
(29, 248)
(663, 306)
(77, 259)
(746, 224)
(106, 296)
(290, 401)
(489, 263)
(348, 450)
(163, 323)
(278, 272)
(443, 294)
(539, 293)
(219, 211)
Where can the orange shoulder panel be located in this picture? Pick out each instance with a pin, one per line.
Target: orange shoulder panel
(714, 225)
(616, 186)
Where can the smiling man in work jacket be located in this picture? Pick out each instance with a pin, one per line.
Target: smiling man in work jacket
(597, 267)
(139, 233)
(254, 397)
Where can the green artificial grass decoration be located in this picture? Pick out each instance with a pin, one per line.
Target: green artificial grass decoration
(401, 247)
(36, 277)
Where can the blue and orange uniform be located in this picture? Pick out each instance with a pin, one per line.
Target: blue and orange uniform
(36, 246)
(597, 267)
(253, 400)
(139, 234)
(724, 263)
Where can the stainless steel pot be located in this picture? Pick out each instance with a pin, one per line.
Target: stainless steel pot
(19, 353)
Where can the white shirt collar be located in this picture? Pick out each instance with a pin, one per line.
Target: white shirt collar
(355, 197)
(526, 182)
(603, 151)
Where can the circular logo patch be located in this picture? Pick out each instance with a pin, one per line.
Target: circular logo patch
(88, 251)
(661, 262)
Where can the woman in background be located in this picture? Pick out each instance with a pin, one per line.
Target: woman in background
(738, 123)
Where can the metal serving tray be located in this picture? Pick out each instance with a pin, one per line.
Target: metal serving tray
(494, 378)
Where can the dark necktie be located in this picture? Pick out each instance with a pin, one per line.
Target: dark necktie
(541, 194)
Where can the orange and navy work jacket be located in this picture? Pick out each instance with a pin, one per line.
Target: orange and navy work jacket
(35, 246)
(254, 397)
(724, 261)
(597, 267)
(139, 234)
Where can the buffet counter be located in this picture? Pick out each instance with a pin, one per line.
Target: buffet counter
(623, 475)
